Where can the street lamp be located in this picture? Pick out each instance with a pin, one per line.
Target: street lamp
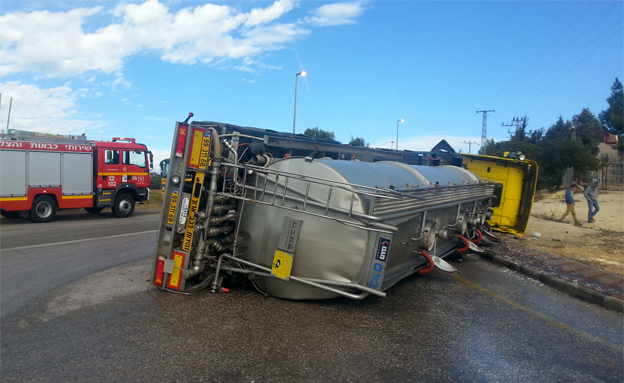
(302, 73)
(397, 140)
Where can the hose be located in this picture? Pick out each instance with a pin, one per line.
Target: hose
(431, 266)
(216, 144)
(475, 241)
(466, 241)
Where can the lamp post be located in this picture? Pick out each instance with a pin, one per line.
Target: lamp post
(397, 140)
(302, 73)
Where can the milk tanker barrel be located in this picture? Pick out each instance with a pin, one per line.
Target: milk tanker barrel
(306, 228)
(329, 228)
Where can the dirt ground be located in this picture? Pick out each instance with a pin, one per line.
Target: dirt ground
(599, 244)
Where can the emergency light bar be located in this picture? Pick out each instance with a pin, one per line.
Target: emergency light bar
(115, 139)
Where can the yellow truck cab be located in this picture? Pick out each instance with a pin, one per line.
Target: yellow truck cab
(518, 177)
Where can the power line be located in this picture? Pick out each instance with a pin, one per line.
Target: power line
(542, 53)
(520, 90)
(573, 66)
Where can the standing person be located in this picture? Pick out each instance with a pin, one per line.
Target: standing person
(569, 199)
(591, 195)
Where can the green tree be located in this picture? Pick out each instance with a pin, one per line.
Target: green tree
(319, 133)
(587, 129)
(522, 141)
(568, 144)
(520, 133)
(560, 130)
(155, 180)
(490, 148)
(613, 117)
(557, 155)
(565, 144)
(358, 142)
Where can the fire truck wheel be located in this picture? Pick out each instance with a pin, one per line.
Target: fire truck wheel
(43, 209)
(124, 206)
(93, 210)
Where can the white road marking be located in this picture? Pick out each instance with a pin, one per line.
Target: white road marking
(77, 241)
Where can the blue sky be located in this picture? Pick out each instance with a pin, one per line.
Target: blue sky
(132, 68)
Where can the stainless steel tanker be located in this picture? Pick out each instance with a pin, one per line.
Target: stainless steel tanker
(307, 228)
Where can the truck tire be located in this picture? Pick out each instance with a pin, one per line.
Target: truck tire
(93, 210)
(43, 209)
(124, 206)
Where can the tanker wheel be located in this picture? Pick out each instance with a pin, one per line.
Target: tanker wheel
(124, 206)
(93, 210)
(43, 209)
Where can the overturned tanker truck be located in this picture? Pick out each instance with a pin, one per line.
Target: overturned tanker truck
(305, 221)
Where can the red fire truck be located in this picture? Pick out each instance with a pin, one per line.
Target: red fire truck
(41, 173)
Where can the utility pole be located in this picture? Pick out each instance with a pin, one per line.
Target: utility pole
(469, 144)
(517, 123)
(484, 130)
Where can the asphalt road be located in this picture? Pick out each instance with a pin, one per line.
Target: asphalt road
(36, 258)
(86, 312)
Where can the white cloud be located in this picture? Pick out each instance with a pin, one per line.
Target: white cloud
(263, 16)
(120, 81)
(85, 42)
(51, 44)
(336, 14)
(159, 155)
(55, 44)
(43, 110)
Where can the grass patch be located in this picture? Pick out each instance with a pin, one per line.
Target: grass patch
(154, 202)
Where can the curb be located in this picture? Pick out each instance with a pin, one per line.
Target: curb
(576, 290)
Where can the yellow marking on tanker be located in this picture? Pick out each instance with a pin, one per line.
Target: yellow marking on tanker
(282, 264)
(190, 222)
(172, 207)
(174, 278)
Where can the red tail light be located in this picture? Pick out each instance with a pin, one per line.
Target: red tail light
(160, 273)
(181, 142)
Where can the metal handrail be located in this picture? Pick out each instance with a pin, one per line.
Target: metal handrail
(260, 189)
(323, 284)
(274, 187)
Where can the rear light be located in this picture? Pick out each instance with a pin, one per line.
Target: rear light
(160, 271)
(181, 141)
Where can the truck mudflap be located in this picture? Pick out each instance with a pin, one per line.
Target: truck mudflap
(302, 228)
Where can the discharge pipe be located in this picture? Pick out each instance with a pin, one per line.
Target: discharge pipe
(466, 242)
(431, 266)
